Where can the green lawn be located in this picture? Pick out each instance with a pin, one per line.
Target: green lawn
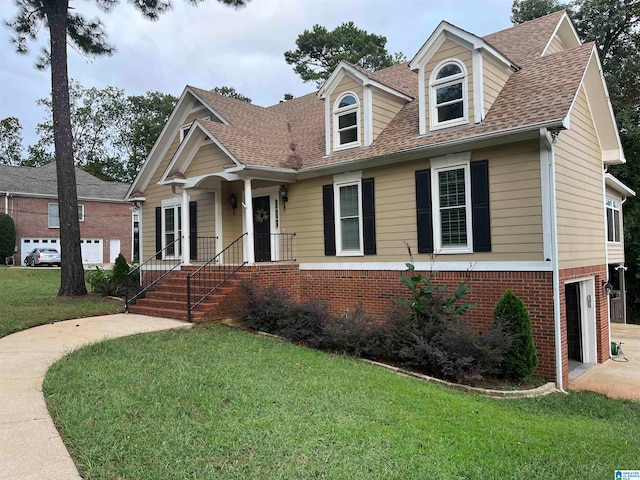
(218, 403)
(29, 298)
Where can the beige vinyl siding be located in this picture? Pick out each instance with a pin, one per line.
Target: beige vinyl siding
(555, 46)
(385, 108)
(516, 213)
(209, 159)
(347, 84)
(450, 49)
(495, 76)
(615, 251)
(579, 186)
(232, 223)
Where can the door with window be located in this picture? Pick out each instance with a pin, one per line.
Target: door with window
(262, 229)
(172, 230)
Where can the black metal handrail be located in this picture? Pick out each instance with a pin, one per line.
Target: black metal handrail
(282, 247)
(213, 274)
(142, 278)
(205, 249)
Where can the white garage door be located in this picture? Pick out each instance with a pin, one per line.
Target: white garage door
(91, 250)
(28, 244)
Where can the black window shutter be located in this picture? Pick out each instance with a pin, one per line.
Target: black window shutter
(480, 206)
(193, 231)
(368, 216)
(159, 232)
(424, 213)
(329, 220)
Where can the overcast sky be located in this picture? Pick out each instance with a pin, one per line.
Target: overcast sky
(212, 45)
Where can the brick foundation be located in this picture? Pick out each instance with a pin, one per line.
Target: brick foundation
(375, 289)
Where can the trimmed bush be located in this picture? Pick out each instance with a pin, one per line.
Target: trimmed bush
(355, 333)
(7, 235)
(512, 315)
(120, 270)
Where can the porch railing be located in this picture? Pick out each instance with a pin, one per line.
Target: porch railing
(213, 274)
(142, 278)
(281, 246)
(205, 249)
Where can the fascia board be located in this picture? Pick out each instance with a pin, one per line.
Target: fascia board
(618, 186)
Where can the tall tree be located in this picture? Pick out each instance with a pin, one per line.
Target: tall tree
(525, 10)
(145, 117)
(231, 93)
(10, 141)
(87, 36)
(319, 51)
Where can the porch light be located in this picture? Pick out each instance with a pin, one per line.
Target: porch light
(234, 202)
(284, 196)
(608, 288)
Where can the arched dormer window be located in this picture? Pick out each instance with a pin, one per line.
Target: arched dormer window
(346, 122)
(448, 95)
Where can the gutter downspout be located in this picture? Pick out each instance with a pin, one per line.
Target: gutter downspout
(547, 140)
(6, 203)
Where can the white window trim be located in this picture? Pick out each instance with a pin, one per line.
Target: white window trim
(346, 180)
(443, 164)
(609, 205)
(166, 204)
(184, 129)
(338, 112)
(435, 84)
(80, 214)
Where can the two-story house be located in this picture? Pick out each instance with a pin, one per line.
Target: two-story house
(487, 156)
(30, 196)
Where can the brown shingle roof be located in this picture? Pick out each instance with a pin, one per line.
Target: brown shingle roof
(525, 42)
(291, 134)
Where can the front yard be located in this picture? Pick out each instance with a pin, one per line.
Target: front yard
(220, 403)
(29, 299)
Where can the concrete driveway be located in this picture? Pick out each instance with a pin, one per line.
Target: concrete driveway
(618, 379)
(30, 447)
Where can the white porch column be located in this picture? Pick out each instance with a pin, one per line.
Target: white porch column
(186, 243)
(248, 222)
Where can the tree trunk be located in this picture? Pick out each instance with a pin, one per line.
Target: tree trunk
(72, 273)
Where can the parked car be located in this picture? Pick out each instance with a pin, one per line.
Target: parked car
(42, 256)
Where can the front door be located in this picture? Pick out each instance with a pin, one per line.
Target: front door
(262, 229)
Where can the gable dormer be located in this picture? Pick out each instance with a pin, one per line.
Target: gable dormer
(459, 77)
(357, 108)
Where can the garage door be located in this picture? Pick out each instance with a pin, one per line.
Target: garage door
(28, 244)
(91, 247)
(91, 250)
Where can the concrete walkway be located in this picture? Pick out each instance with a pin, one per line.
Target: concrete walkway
(30, 447)
(614, 378)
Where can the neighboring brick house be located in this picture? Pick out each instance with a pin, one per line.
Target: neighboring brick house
(29, 195)
(487, 155)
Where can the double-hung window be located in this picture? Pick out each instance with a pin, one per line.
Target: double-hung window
(54, 215)
(348, 214)
(613, 220)
(451, 190)
(172, 229)
(346, 122)
(448, 95)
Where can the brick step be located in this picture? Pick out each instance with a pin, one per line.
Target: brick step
(173, 304)
(196, 315)
(179, 299)
(182, 290)
(180, 280)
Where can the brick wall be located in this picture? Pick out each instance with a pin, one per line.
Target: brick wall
(101, 220)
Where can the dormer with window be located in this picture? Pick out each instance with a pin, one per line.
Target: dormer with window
(459, 78)
(357, 108)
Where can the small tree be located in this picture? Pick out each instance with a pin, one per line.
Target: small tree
(521, 359)
(7, 235)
